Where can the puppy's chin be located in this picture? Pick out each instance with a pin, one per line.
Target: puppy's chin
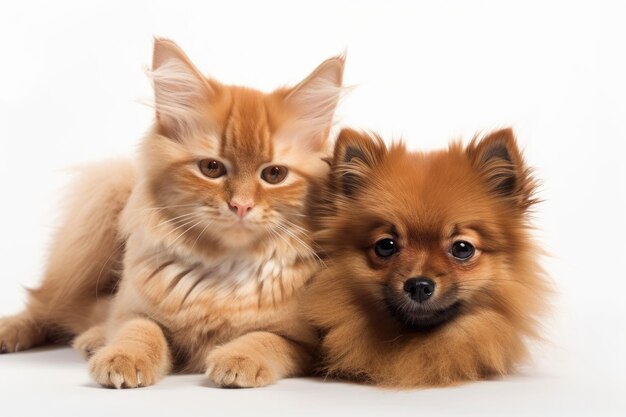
(420, 317)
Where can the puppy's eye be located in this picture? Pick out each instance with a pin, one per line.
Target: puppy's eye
(274, 174)
(384, 248)
(462, 250)
(212, 168)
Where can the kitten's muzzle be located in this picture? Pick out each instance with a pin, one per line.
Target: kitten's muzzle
(241, 208)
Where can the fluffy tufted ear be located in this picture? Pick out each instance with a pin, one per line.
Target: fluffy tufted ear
(314, 100)
(355, 155)
(180, 90)
(499, 160)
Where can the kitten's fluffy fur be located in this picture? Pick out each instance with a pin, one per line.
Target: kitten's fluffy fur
(196, 286)
(481, 309)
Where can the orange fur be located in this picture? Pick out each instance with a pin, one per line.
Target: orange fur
(482, 309)
(155, 265)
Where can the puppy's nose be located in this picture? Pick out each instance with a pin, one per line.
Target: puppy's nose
(420, 288)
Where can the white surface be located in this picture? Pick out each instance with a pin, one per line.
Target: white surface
(70, 85)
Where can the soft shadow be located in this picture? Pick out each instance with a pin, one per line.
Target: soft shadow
(207, 383)
(47, 354)
(92, 385)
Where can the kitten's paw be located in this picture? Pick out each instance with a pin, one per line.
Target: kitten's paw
(90, 341)
(121, 366)
(232, 369)
(19, 333)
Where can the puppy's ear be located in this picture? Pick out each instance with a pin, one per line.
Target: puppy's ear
(498, 159)
(356, 155)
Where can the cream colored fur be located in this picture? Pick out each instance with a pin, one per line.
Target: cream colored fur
(151, 271)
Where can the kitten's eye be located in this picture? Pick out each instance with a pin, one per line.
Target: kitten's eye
(462, 250)
(385, 247)
(274, 174)
(212, 168)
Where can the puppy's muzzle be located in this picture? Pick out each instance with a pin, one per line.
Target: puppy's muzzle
(419, 288)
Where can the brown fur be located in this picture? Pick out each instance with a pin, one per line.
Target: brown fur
(154, 269)
(481, 193)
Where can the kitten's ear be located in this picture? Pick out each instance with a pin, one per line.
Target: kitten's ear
(356, 155)
(314, 101)
(180, 90)
(499, 160)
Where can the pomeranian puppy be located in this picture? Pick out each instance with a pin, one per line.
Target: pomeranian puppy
(432, 276)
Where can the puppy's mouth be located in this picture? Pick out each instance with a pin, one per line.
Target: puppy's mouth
(420, 317)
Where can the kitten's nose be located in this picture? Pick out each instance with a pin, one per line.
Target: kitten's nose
(419, 288)
(241, 209)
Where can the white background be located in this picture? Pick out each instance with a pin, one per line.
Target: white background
(71, 88)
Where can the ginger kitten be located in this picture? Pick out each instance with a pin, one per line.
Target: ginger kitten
(432, 278)
(191, 258)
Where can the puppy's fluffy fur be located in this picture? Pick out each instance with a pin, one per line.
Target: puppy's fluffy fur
(475, 318)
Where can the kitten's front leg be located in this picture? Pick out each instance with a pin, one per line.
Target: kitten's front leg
(138, 355)
(257, 359)
(20, 332)
(89, 341)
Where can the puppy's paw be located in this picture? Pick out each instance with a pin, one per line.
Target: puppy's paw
(123, 366)
(238, 369)
(90, 341)
(19, 333)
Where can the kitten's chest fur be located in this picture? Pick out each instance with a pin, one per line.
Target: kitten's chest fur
(242, 290)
